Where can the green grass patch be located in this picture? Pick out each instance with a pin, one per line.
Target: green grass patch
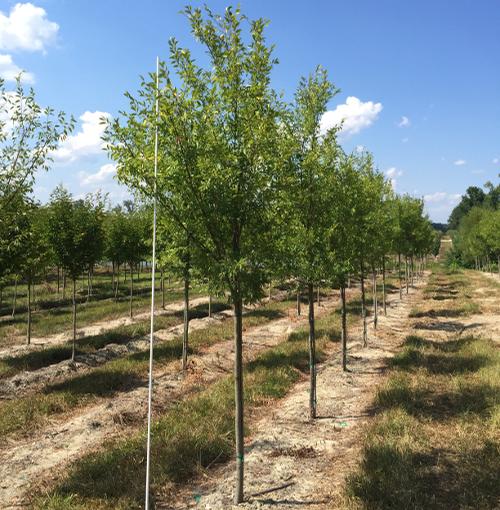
(435, 441)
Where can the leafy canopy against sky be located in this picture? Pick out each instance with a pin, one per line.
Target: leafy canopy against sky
(419, 81)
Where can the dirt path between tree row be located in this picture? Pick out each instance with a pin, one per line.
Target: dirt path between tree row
(44, 455)
(96, 328)
(309, 459)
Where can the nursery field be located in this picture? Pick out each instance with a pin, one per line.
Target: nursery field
(412, 423)
(240, 308)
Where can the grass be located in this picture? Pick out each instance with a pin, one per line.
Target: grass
(121, 335)
(26, 413)
(435, 441)
(188, 438)
(58, 318)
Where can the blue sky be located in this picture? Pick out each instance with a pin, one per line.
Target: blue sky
(420, 81)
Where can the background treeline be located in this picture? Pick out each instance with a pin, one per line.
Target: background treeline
(474, 227)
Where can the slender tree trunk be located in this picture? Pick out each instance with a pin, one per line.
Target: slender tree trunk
(131, 290)
(375, 300)
(344, 327)
(74, 321)
(384, 303)
(400, 277)
(363, 306)
(298, 303)
(312, 353)
(29, 312)
(15, 298)
(64, 285)
(411, 270)
(58, 280)
(113, 276)
(185, 336)
(117, 280)
(210, 306)
(238, 390)
(162, 290)
(407, 273)
(88, 285)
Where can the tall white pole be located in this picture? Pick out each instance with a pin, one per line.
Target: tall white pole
(153, 269)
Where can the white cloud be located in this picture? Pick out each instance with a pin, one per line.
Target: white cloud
(354, 115)
(9, 70)
(496, 161)
(404, 122)
(26, 28)
(404, 140)
(441, 197)
(103, 174)
(460, 162)
(85, 142)
(393, 173)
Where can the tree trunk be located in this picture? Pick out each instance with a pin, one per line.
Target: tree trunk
(384, 303)
(400, 277)
(344, 327)
(312, 354)
(15, 298)
(407, 273)
(375, 300)
(298, 303)
(162, 291)
(29, 312)
(88, 285)
(238, 391)
(117, 280)
(185, 336)
(58, 280)
(64, 284)
(74, 320)
(363, 307)
(131, 290)
(113, 276)
(210, 305)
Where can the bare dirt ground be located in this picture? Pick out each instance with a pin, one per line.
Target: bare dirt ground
(309, 459)
(44, 454)
(97, 328)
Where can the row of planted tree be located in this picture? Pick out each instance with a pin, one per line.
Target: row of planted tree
(249, 188)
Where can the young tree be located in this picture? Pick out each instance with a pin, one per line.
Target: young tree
(28, 134)
(36, 253)
(218, 137)
(310, 186)
(71, 230)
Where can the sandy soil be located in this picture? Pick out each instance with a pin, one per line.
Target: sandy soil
(309, 459)
(44, 454)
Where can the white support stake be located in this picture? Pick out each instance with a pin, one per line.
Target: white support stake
(153, 268)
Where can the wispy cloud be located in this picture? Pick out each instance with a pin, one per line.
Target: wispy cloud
(404, 122)
(460, 162)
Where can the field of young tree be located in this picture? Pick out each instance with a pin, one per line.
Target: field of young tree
(312, 345)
